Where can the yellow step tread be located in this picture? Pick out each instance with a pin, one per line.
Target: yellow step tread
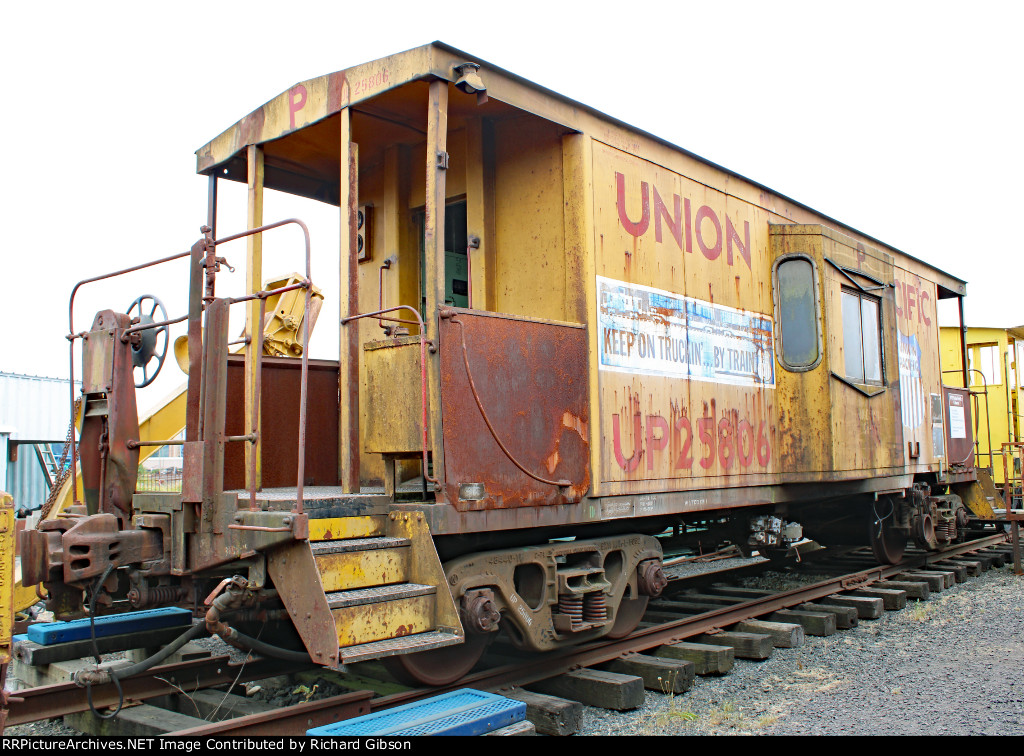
(392, 646)
(377, 594)
(357, 544)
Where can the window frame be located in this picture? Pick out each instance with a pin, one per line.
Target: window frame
(879, 302)
(976, 360)
(780, 353)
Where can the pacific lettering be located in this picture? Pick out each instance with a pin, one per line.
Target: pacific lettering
(910, 296)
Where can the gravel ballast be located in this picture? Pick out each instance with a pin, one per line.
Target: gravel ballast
(952, 665)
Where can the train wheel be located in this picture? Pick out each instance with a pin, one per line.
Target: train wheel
(631, 611)
(441, 666)
(887, 542)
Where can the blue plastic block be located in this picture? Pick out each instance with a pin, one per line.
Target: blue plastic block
(461, 712)
(50, 633)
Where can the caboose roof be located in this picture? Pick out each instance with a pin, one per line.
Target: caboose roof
(302, 150)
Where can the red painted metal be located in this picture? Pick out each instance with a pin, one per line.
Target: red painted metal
(960, 451)
(279, 407)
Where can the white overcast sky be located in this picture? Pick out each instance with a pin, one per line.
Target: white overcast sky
(900, 119)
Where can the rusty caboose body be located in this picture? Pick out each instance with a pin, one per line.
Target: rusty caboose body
(559, 337)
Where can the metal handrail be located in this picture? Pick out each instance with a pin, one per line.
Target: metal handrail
(977, 416)
(307, 284)
(252, 436)
(71, 347)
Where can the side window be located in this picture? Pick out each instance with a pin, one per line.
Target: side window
(862, 337)
(985, 359)
(796, 297)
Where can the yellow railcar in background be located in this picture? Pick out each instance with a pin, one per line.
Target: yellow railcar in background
(994, 359)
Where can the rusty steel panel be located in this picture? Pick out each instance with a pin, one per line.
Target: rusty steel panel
(531, 379)
(294, 571)
(279, 421)
(110, 419)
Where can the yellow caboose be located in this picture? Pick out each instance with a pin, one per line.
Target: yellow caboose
(558, 336)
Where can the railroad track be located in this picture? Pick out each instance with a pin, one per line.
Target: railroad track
(699, 607)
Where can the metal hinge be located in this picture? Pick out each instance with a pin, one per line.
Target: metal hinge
(442, 160)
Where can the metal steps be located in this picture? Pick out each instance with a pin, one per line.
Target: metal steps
(379, 606)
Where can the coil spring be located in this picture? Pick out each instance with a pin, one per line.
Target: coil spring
(163, 594)
(571, 605)
(946, 531)
(155, 596)
(595, 609)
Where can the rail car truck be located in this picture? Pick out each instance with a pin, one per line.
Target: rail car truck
(559, 337)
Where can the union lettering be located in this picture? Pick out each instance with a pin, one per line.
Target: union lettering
(683, 225)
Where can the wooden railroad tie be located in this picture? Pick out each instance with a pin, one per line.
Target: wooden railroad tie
(814, 623)
(707, 659)
(550, 715)
(594, 687)
(867, 607)
(756, 646)
(959, 571)
(661, 674)
(975, 565)
(917, 589)
(892, 600)
(846, 616)
(783, 634)
(937, 581)
(142, 721)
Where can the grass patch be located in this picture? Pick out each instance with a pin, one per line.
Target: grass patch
(920, 612)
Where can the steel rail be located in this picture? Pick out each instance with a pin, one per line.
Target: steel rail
(49, 701)
(295, 720)
(686, 627)
(300, 716)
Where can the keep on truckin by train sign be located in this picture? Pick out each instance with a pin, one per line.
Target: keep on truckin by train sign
(652, 332)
